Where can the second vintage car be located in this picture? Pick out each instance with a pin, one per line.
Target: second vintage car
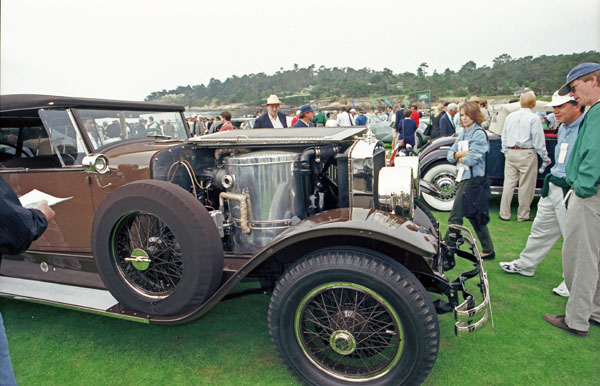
(437, 170)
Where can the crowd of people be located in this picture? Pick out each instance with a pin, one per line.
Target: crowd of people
(570, 203)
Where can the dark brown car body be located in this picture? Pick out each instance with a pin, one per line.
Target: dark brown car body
(319, 186)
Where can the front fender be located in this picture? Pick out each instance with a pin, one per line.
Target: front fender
(384, 227)
(432, 157)
(361, 222)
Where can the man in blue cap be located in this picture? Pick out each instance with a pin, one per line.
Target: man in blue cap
(305, 118)
(581, 247)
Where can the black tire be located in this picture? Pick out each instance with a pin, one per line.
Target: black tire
(176, 236)
(385, 319)
(443, 176)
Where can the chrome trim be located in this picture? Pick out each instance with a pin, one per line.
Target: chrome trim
(468, 316)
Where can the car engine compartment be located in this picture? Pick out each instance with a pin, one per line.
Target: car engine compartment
(256, 190)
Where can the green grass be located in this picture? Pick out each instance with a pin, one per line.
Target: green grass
(231, 344)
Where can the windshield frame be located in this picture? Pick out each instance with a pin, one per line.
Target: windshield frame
(79, 115)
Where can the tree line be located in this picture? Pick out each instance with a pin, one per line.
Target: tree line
(544, 74)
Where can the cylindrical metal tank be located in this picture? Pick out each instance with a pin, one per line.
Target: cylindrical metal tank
(272, 180)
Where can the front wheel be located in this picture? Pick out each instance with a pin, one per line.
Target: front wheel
(342, 316)
(443, 176)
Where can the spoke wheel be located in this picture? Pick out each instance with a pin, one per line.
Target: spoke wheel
(156, 248)
(347, 316)
(443, 176)
(349, 331)
(147, 254)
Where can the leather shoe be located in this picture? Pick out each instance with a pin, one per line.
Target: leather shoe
(597, 323)
(559, 321)
(503, 219)
(489, 256)
(527, 219)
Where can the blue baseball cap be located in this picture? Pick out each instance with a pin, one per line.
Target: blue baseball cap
(577, 72)
(306, 108)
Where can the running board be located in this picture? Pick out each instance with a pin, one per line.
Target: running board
(66, 296)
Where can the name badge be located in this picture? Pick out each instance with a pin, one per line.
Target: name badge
(562, 155)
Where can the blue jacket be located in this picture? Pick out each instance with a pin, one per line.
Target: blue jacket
(447, 128)
(478, 146)
(264, 122)
(18, 226)
(399, 117)
(300, 123)
(406, 131)
(361, 120)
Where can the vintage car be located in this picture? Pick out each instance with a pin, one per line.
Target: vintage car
(437, 170)
(161, 226)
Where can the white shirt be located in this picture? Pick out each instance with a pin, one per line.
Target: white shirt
(331, 123)
(524, 129)
(344, 119)
(275, 122)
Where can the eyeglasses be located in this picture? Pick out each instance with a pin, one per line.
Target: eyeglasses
(573, 87)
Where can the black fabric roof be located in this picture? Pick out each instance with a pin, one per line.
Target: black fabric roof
(15, 102)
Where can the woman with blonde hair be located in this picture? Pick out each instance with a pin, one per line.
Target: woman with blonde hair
(469, 152)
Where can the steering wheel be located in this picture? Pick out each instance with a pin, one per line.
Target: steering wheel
(23, 152)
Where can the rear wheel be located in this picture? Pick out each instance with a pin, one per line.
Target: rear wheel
(156, 248)
(443, 176)
(343, 316)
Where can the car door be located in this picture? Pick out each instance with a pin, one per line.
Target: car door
(48, 158)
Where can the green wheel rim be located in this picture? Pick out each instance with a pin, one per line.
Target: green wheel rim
(349, 331)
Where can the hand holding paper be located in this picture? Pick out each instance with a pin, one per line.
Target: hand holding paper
(34, 198)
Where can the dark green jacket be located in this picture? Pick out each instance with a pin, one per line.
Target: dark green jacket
(583, 169)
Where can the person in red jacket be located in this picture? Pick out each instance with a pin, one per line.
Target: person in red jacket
(414, 115)
(226, 119)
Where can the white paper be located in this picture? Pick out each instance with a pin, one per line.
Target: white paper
(33, 198)
(461, 146)
(563, 152)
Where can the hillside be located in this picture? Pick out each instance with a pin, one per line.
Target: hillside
(329, 86)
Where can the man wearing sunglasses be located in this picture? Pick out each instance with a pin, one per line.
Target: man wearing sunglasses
(581, 247)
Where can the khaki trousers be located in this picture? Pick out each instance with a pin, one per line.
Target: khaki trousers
(548, 226)
(520, 167)
(581, 261)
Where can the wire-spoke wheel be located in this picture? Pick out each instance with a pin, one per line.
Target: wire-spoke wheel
(349, 315)
(443, 176)
(147, 254)
(156, 248)
(348, 330)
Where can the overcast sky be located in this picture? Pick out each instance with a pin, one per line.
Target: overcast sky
(125, 49)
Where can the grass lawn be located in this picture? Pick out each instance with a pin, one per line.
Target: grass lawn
(231, 344)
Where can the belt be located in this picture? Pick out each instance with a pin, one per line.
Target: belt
(519, 148)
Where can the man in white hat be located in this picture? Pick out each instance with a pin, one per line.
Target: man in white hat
(272, 119)
(549, 223)
(581, 248)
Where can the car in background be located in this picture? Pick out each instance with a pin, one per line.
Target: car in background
(436, 169)
(384, 130)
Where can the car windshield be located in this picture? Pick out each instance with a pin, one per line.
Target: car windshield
(108, 126)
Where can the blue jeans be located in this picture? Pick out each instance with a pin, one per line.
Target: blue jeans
(7, 376)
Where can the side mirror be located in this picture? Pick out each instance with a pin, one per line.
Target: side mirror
(95, 164)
